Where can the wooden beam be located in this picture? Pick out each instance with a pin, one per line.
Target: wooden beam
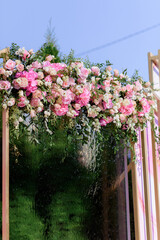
(5, 175)
(120, 178)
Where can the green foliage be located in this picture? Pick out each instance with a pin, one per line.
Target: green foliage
(47, 48)
(14, 47)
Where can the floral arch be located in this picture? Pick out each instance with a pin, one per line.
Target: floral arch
(84, 98)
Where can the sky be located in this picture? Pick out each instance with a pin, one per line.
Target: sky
(82, 25)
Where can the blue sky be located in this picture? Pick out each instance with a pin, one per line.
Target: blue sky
(86, 24)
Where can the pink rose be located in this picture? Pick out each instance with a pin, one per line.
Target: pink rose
(35, 102)
(108, 68)
(11, 102)
(20, 83)
(106, 84)
(26, 54)
(116, 73)
(104, 122)
(2, 71)
(129, 87)
(40, 75)
(128, 108)
(147, 84)
(48, 78)
(22, 102)
(71, 81)
(107, 105)
(5, 85)
(138, 86)
(77, 106)
(37, 94)
(32, 113)
(84, 73)
(145, 105)
(95, 71)
(49, 58)
(20, 67)
(10, 65)
(122, 117)
(36, 64)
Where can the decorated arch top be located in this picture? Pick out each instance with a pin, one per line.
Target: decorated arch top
(46, 88)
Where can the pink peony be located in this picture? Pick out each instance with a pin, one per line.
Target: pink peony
(60, 110)
(69, 97)
(10, 65)
(95, 71)
(83, 98)
(127, 109)
(5, 85)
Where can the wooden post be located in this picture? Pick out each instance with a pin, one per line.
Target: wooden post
(154, 150)
(146, 184)
(5, 162)
(5, 175)
(135, 199)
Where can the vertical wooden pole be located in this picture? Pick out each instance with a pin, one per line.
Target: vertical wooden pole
(146, 184)
(154, 151)
(5, 175)
(5, 162)
(135, 199)
(127, 195)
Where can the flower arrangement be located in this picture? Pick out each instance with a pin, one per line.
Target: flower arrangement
(58, 90)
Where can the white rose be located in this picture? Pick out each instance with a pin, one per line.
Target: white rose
(20, 93)
(59, 81)
(39, 109)
(48, 84)
(10, 103)
(4, 105)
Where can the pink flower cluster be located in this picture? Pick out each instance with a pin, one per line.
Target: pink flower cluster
(105, 97)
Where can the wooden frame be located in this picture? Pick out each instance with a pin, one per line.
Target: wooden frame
(156, 60)
(5, 163)
(131, 167)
